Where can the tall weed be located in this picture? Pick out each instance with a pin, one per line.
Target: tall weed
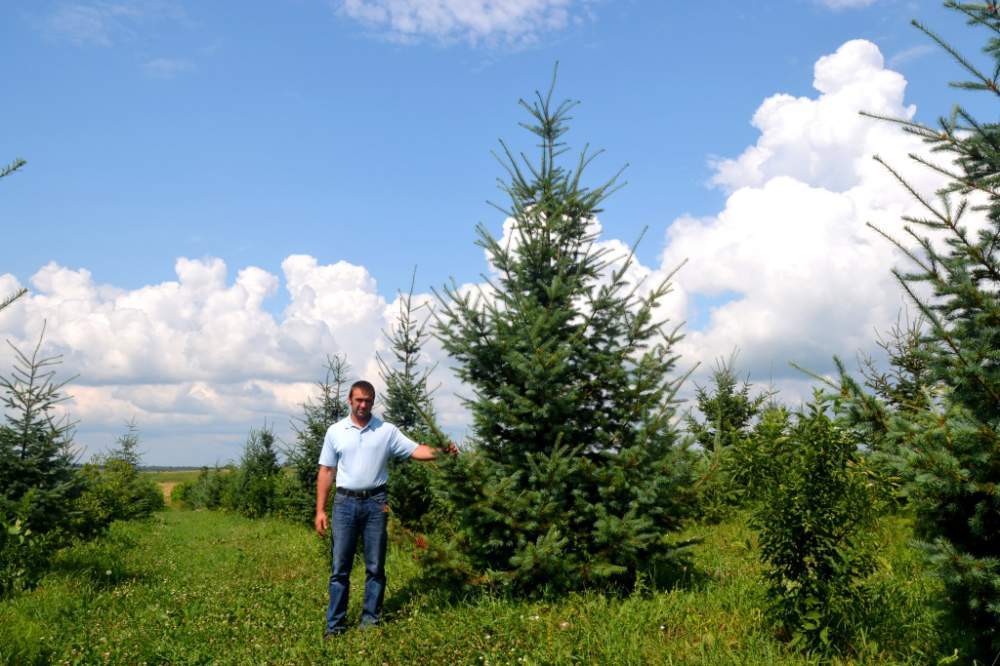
(815, 526)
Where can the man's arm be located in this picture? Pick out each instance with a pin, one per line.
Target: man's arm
(324, 481)
(424, 452)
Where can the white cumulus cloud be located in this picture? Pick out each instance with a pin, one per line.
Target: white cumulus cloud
(800, 275)
(201, 351)
(824, 141)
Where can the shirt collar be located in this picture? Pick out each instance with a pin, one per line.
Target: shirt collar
(373, 423)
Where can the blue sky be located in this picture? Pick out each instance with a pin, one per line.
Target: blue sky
(251, 132)
(286, 127)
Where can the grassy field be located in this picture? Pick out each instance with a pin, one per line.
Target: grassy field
(167, 480)
(206, 587)
(173, 475)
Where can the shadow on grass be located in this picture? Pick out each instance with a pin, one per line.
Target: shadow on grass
(960, 638)
(418, 593)
(676, 572)
(100, 562)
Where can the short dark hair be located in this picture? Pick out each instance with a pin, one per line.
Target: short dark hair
(363, 386)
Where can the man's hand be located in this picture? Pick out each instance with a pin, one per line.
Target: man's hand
(324, 481)
(322, 523)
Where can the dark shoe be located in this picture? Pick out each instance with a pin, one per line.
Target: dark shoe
(328, 635)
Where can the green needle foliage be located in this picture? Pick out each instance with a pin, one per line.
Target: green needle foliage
(407, 404)
(310, 430)
(12, 167)
(38, 482)
(36, 457)
(127, 447)
(407, 401)
(726, 406)
(903, 386)
(724, 435)
(255, 488)
(575, 478)
(943, 439)
(13, 297)
(256, 481)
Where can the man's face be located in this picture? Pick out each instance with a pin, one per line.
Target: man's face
(361, 405)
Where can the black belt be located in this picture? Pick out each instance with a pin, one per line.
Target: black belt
(363, 494)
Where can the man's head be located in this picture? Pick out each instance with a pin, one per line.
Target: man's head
(361, 397)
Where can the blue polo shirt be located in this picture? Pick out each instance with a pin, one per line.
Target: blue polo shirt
(361, 455)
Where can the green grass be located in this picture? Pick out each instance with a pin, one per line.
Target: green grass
(208, 587)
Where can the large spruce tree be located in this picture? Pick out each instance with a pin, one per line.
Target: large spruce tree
(945, 442)
(574, 478)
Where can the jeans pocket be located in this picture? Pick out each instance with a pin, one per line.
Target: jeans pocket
(381, 501)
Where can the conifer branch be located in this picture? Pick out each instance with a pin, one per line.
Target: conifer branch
(916, 195)
(910, 255)
(969, 183)
(987, 84)
(915, 127)
(12, 167)
(13, 297)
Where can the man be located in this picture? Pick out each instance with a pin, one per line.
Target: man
(355, 454)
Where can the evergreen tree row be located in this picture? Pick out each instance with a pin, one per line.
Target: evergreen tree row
(47, 501)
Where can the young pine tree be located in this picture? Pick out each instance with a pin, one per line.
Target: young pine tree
(905, 388)
(575, 478)
(407, 404)
(126, 448)
(37, 475)
(728, 411)
(903, 391)
(317, 416)
(38, 482)
(726, 406)
(946, 448)
(256, 480)
(116, 489)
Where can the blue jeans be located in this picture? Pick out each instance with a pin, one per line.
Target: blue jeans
(354, 517)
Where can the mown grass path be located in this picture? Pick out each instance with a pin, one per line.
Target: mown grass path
(208, 588)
